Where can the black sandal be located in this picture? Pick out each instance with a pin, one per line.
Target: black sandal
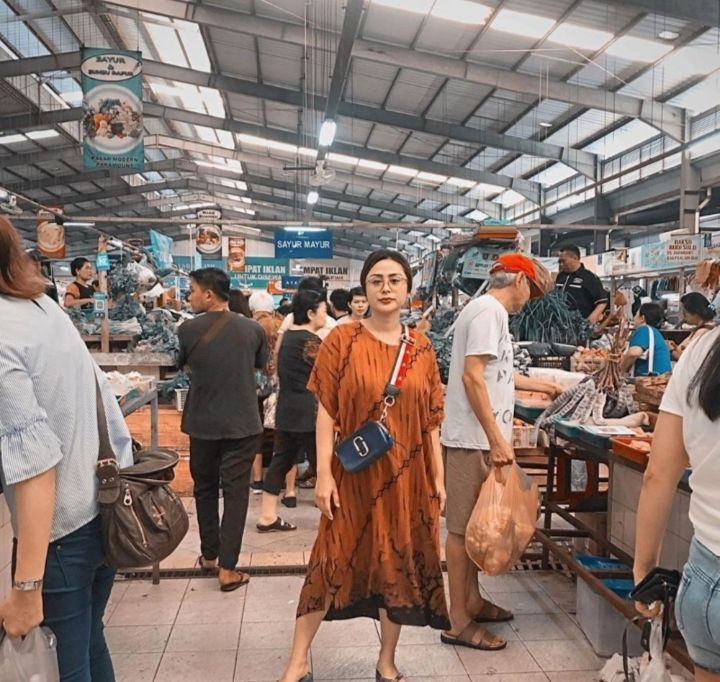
(276, 526)
(398, 678)
(290, 502)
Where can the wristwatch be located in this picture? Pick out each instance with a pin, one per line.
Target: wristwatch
(27, 585)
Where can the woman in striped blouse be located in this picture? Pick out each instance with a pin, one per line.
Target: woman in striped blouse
(48, 455)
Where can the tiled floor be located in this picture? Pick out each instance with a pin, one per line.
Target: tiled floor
(186, 631)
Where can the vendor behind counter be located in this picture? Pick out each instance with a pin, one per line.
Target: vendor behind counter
(648, 351)
(584, 287)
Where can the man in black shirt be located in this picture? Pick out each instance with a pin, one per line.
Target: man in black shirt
(221, 416)
(584, 287)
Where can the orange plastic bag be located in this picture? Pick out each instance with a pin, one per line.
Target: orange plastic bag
(503, 520)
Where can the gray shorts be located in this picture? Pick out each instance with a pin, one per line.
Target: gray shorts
(465, 472)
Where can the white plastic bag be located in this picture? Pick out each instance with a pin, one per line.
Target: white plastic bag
(32, 659)
(656, 671)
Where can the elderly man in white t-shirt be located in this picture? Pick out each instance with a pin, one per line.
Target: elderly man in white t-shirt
(477, 432)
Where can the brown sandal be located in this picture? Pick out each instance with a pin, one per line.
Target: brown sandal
(398, 678)
(231, 586)
(492, 613)
(469, 638)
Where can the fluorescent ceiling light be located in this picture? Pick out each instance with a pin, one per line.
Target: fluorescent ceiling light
(401, 170)
(432, 178)
(668, 35)
(580, 37)
(312, 197)
(305, 229)
(12, 139)
(462, 11)
(521, 24)
(638, 49)
(461, 182)
(371, 165)
(341, 158)
(42, 134)
(78, 224)
(327, 133)
(545, 124)
(416, 6)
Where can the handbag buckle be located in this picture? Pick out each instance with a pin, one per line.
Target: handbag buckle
(361, 447)
(108, 473)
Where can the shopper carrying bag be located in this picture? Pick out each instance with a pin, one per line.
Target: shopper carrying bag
(49, 445)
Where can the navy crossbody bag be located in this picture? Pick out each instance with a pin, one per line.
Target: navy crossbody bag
(372, 440)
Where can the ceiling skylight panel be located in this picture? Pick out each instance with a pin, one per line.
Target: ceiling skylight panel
(213, 101)
(226, 139)
(206, 134)
(167, 43)
(557, 173)
(522, 24)
(691, 61)
(371, 165)
(624, 138)
(430, 178)
(416, 6)
(510, 198)
(401, 170)
(476, 215)
(462, 11)
(638, 49)
(461, 182)
(194, 44)
(342, 159)
(580, 37)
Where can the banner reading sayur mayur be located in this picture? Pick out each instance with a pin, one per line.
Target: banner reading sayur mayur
(112, 109)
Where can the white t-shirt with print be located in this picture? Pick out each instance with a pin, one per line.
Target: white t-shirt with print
(702, 442)
(482, 329)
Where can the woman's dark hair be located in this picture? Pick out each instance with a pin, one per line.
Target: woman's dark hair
(385, 254)
(214, 280)
(239, 303)
(77, 264)
(311, 284)
(653, 314)
(19, 277)
(705, 386)
(356, 291)
(697, 304)
(305, 301)
(340, 298)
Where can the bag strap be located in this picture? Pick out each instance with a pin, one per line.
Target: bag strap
(210, 333)
(105, 450)
(399, 371)
(651, 350)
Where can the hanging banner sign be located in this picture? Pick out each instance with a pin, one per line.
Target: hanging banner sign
(161, 247)
(478, 260)
(50, 235)
(236, 254)
(336, 272)
(291, 282)
(297, 244)
(208, 241)
(259, 272)
(677, 252)
(112, 109)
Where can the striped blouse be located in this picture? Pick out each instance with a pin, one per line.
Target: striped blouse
(48, 410)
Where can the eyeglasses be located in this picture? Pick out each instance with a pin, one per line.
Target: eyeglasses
(394, 282)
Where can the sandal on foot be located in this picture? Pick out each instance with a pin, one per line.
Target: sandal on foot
(290, 502)
(305, 678)
(474, 637)
(231, 586)
(276, 526)
(492, 613)
(379, 678)
(208, 567)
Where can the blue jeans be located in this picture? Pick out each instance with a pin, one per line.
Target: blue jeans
(76, 589)
(697, 609)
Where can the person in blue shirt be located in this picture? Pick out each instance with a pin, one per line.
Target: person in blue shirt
(648, 351)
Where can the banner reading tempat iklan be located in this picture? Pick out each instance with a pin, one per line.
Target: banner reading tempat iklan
(209, 234)
(112, 109)
(50, 235)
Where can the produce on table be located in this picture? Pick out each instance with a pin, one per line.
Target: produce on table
(550, 320)
(590, 360)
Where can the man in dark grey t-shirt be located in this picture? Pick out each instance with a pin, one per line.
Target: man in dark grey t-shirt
(222, 351)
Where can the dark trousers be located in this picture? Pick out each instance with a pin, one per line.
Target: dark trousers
(76, 588)
(230, 460)
(287, 447)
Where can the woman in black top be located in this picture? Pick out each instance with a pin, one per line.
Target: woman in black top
(296, 406)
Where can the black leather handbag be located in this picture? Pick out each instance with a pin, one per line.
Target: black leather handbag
(372, 440)
(143, 519)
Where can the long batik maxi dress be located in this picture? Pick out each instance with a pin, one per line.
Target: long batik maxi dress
(382, 550)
